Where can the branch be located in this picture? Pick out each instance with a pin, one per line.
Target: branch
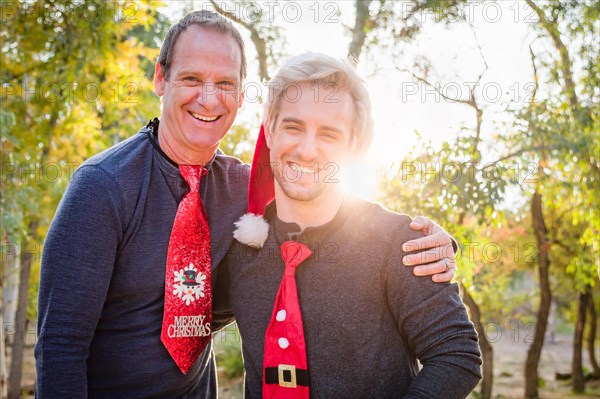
(471, 101)
(535, 77)
(565, 60)
(569, 250)
(478, 111)
(525, 150)
(358, 32)
(259, 43)
(480, 53)
(423, 80)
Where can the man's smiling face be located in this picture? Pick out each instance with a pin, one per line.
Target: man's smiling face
(311, 141)
(202, 93)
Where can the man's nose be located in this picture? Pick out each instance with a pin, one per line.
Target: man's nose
(308, 149)
(208, 95)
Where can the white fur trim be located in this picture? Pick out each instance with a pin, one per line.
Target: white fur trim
(251, 230)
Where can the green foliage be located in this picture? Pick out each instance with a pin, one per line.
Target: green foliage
(74, 79)
(228, 353)
(557, 135)
(448, 185)
(559, 131)
(238, 143)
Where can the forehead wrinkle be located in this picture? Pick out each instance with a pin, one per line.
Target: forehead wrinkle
(202, 36)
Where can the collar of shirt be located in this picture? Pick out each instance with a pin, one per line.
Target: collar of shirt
(310, 236)
(170, 169)
(165, 163)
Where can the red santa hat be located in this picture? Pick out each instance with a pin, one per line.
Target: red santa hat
(252, 229)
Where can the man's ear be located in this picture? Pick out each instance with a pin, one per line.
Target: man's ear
(241, 97)
(159, 80)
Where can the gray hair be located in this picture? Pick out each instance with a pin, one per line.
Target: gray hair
(322, 69)
(204, 19)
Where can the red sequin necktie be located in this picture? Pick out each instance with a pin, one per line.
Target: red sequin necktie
(285, 364)
(187, 315)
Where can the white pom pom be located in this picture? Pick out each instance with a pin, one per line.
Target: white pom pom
(251, 230)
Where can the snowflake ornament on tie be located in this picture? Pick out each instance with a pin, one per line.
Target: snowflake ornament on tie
(189, 284)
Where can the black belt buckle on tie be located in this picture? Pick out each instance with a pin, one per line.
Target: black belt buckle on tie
(286, 376)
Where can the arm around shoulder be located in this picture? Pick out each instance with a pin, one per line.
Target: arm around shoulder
(77, 263)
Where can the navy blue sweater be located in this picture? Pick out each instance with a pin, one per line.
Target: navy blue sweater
(103, 274)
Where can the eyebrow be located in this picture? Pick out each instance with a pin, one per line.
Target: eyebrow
(301, 123)
(187, 72)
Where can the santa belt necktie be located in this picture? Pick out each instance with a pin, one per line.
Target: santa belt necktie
(187, 314)
(285, 365)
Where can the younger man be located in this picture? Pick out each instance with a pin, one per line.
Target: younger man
(323, 308)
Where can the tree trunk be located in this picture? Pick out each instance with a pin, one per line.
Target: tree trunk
(565, 63)
(16, 364)
(487, 351)
(10, 281)
(359, 33)
(535, 350)
(3, 390)
(577, 367)
(591, 338)
(8, 291)
(3, 379)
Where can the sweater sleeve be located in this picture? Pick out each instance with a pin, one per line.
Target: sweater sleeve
(434, 321)
(77, 263)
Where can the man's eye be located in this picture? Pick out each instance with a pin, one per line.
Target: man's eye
(226, 85)
(190, 79)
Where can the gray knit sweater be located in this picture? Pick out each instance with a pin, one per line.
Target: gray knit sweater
(367, 318)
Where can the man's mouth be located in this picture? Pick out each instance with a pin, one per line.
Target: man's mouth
(204, 118)
(300, 169)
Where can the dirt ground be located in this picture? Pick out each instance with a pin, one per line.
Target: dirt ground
(510, 351)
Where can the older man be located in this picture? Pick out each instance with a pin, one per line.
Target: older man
(125, 291)
(323, 308)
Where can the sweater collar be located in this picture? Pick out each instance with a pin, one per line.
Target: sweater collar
(310, 236)
(165, 163)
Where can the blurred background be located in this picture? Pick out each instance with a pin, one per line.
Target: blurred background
(487, 121)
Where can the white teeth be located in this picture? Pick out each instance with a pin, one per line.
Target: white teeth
(300, 169)
(204, 118)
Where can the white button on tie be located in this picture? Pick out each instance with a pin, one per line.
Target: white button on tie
(281, 315)
(283, 343)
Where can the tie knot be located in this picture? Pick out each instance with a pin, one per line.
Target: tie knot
(294, 253)
(192, 174)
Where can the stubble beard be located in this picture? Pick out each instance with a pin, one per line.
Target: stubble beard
(294, 191)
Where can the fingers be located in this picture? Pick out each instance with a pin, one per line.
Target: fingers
(442, 271)
(444, 277)
(431, 241)
(430, 255)
(421, 223)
